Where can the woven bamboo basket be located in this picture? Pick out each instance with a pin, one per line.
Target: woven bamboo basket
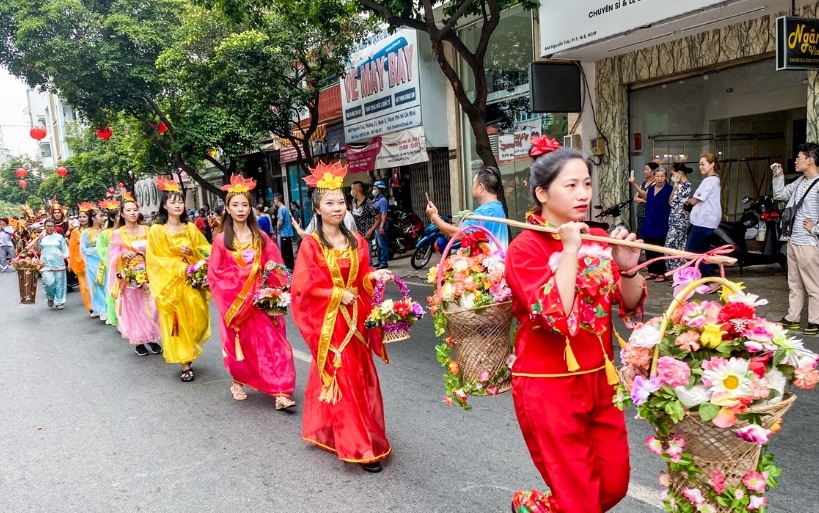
(713, 448)
(27, 281)
(398, 331)
(395, 335)
(480, 336)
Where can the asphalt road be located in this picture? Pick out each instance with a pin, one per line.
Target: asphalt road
(87, 425)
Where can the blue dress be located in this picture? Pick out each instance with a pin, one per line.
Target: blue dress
(658, 210)
(95, 273)
(53, 253)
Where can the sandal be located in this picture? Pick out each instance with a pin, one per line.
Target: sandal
(660, 279)
(187, 375)
(282, 403)
(238, 392)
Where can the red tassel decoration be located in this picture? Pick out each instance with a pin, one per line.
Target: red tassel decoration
(175, 329)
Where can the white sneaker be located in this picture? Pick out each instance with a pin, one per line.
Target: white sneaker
(103, 318)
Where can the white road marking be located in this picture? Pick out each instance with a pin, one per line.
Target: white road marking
(301, 355)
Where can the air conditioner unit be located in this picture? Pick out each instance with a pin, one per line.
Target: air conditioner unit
(573, 141)
(599, 147)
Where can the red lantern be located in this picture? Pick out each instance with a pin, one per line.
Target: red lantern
(22, 184)
(38, 133)
(105, 133)
(61, 172)
(161, 127)
(21, 173)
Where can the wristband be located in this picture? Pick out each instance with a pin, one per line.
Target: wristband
(631, 275)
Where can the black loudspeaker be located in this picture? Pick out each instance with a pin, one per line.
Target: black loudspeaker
(555, 87)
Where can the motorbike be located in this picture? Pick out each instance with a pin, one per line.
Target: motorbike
(430, 242)
(403, 230)
(761, 212)
(615, 211)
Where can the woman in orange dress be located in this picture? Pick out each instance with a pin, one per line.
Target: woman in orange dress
(75, 258)
(563, 378)
(332, 290)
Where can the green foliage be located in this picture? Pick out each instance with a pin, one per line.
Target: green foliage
(12, 193)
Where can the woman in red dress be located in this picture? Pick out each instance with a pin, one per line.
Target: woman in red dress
(255, 349)
(563, 377)
(332, 296)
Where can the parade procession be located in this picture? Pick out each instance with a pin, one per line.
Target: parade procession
(439, 256)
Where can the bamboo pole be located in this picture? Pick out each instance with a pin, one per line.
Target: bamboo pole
(714, 259)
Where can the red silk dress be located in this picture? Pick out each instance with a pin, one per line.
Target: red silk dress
(255, 349)
(343, 410)
(562, 396)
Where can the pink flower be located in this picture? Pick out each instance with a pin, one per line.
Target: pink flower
(693, 315)
(694, 495)
(758, 331)
(673, 372)
(655, 445)
(492, 390)
(637, 356)
(484, 376)
(717, 481)
(712, 364)
(760, 388)
(754, 347)
(755, 481)
(675, 448)
(712, 310)
(739, 494)
(643, 388)
(688, 341)
(756, 502)
(665, 479)
(754, 433)
(805, 377)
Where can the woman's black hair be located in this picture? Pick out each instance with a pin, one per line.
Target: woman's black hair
(653, 165)
(680, 166)
(547, 167)
(112, 217)
(87, 216)
(162, 213)
(351, 240)
(49, 220)
(226, 226)
(120, 220)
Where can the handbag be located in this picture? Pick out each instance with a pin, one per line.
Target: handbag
(788, 217)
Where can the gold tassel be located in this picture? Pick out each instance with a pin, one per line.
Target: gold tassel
(611, 372)
(620, 340)
(240, 356)
(175, 327)
(100, 274)
(571, 361)
(330, 393)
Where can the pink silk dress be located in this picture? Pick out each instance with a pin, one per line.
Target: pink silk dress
(138, 319)
(254, 346)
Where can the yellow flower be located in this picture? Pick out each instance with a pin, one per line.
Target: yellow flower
(453, 368)
(725, 293)
(432, 276)
(711, 336)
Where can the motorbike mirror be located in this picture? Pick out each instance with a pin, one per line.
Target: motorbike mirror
(746, 199)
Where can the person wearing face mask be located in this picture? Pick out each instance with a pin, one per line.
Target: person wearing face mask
(54, 254)
(655, 225)
(678, 219)
(381, 221)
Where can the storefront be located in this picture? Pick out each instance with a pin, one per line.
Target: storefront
(395, 120)
(702, 80)
(509, 123)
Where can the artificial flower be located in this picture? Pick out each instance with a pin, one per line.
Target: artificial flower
(510, 360)
(717, 481)
(736, 311)
(448, 400)
(655, 445)
(688, 341)
(673, 372)
(432, 275)
(748, 299)
(755, 481)
(484, 376)
(706, 508)
(492, 390)
(739, 494)
(757, 502)
(453, 368)
(754, 433)
(684, 276)
(711, 336)
(693, 315)
(675, 449)
(776, 426)
(460, 395)
(645, 336)
(794, 351)
(387, 306)
(759, 364)
(805, 377)
(694, 495)
(665, 479)
(643, 388)
(635, 356)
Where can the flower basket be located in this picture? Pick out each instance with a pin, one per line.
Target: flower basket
(274, 300)
(394, 318)
(713, 389)
(27, 281)
(479, 351)
(197, 275)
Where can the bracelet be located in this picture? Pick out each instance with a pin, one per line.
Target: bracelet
(632, 275)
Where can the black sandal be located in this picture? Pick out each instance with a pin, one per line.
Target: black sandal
(187, 375)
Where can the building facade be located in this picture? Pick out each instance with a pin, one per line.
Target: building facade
(49, 111)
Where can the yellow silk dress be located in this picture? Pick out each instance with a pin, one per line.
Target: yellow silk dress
(184, 317)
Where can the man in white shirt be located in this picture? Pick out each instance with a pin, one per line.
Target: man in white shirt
(6, 244)
(803, 245)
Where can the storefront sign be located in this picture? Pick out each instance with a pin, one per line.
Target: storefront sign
(403, 148)
(362, 158)
(565, 25)
(515, 147)
(797, 43)
(380, 92)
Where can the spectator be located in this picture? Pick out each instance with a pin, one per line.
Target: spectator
(364, 212)
(153, 218)
(678, 220)
(199, 221)
(707, 211)
(295, 211)
(381, 224)
(6, 244)
(264, 220)
(284, 227)
(648, 179)
(655, 224)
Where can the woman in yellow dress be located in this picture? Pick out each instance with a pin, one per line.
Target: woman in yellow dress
(174, 244)
(76, 259)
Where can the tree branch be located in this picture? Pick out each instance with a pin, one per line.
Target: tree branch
(450, 24)
(393, 20)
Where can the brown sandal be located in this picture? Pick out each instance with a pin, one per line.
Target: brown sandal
(282, 403)
(238, 392)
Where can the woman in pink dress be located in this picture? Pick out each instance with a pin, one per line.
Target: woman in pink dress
(128, 281)
(254, 346)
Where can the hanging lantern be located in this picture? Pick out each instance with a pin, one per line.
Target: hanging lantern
(21, 172)
(104, 133)
(61, 172)
(38, 133)
(22, 184)
(161, 127)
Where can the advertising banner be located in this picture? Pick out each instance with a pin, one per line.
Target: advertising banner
(797, 43)
(566, 25)
(380, 92)
(362, 158)
(403, 148)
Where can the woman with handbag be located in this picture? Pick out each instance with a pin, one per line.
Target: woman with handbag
(707, 212)
(803, 245)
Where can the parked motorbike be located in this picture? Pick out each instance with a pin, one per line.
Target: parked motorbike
(763, 210)
(430, 242)
(403, 230)
(615, 211)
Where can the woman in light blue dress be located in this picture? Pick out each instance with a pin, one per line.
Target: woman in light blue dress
(53, 253)
(94, 270)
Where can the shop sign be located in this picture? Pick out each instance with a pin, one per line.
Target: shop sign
(566, 25)
(362, 158)
(515, 147)
(380, 92)
(403, 148)
(797, 43)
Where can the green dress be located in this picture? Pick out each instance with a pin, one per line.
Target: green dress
(103, 241)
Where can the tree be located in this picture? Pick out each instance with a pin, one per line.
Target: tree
(420, 15)
(11, 192)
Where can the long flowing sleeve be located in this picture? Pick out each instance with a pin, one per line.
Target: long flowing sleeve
(103, 240)
(64, 248)
(77, 260)
(166, 269)
(85, 244)
(116, 248)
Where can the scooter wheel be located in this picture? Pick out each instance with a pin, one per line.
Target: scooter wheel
(421, 257)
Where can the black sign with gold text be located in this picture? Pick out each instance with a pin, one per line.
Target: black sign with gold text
(797, 43)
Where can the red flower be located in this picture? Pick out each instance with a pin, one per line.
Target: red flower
(401, 308)
(542, 146)
(736, 311)
(758, 364)
(472, 241)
